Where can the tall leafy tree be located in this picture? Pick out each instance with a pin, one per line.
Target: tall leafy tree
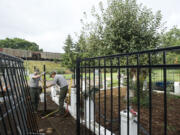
(17, 43)
(172, 38)
(128, 27)
(123, 27)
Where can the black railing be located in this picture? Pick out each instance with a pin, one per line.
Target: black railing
(16, 114)
(116, 93)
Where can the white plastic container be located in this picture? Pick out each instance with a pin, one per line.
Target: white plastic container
(177, 88)
(89, 108)
(41, 97)
(73, 102)
(145, 85)
(53, 91)
(132, 124)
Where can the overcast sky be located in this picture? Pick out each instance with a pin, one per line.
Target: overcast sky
(48, 22)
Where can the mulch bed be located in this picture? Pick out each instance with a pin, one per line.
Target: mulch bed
(173, 112)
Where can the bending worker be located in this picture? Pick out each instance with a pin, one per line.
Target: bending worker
(60, 81)
(35, 89)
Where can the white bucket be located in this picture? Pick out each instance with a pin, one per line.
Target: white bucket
(177, 88)
(73, 102)
(53, 91)
(41, 97)
(132, 124)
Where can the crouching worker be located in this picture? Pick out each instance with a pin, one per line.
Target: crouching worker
(35, 89)
(60, 81)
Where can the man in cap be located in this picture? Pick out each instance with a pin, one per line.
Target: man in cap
(60, 81)
(35, 89)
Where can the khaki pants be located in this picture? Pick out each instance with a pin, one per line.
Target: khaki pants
(62, 96)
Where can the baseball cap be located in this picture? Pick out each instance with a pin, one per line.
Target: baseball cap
(52, 73)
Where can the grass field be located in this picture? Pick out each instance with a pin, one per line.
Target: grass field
(50, 66)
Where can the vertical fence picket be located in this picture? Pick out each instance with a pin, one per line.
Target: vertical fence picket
(138, 95)
(119, 96)
(165, 93)
(89, 95)
(45, 105)
(99, 94)
(105, 95)
(85, 111)
(150, 96)
(94, 81)
(127, 63)
(78, 96)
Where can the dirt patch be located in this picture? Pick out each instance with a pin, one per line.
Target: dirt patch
(173, 112)
(56, 125)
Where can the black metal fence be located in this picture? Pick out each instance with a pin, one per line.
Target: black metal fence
(16, 114)
(116, 94)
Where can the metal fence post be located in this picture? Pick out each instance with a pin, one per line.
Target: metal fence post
(45, 106)
(78, 96)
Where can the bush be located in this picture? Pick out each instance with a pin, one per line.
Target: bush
(61, 71)
(55, 60)
(144, 101)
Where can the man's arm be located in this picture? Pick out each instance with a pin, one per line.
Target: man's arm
(53, 83)
(36, 76)
(50, 85)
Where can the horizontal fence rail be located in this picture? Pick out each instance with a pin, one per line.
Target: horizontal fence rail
(129, 94)
(16, 114)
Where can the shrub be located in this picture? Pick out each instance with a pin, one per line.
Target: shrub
(144, 101)
(60, 71)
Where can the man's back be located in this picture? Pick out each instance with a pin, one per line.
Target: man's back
(60, 80)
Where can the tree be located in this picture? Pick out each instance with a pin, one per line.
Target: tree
(172, 38)
(69, 58)
(17, 43)
(129, 27)
(81, 47)
(123, 27)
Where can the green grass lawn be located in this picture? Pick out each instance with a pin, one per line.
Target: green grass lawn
(157, 76)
